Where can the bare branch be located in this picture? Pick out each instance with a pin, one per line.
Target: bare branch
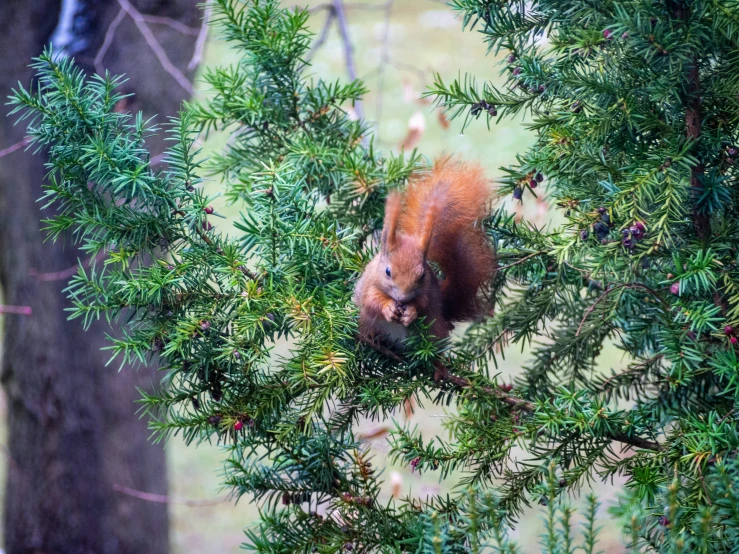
(18, 310)
(197, 55)
(384, 59)
(14, 147)
(322, 36)
(109, 34)
(348, 49)
(171, 23)
(153, 43)
(164, 499)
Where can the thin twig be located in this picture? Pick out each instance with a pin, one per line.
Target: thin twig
(164, 499)
(197, 55)
(171, 23)
(384, 58)
(348, 49)
(18, 310)
(612, 289)
(322, 36)
(14, 147)
(522, 260)
(64, 273)
(153, 43)
(109, 34)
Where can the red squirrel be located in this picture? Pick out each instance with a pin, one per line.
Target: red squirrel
(436, 219)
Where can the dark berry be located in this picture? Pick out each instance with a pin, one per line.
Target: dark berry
(539, 177)
(492, 112)
(607, 34)
(517, 71)
(637, 230)
(732, 151)
(601, 230)
(511, 58)
(576, 107)
(675, 288)
(414, 463)
(348, 546)
(563, 483)
(209, 210)
(533, 183)
(625, 35)
(518, 193)
(214, 420)
(287, 498)
(584, 234)
(628, 243)
(663, 521)
(601, 210)
(625, 233)
(205, 325)
(605, 218)
(729, 330)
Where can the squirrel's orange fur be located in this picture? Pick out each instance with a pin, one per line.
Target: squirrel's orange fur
(436, 219)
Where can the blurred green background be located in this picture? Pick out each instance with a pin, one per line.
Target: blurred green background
(398, 48)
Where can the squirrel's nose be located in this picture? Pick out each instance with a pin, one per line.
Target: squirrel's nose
(404, 297)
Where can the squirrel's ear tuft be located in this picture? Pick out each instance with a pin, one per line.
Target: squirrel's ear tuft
(389, 228)
(432, 212)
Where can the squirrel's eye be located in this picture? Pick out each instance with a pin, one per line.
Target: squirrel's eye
(387, 271)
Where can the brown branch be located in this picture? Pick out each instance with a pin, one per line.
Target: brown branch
(153, 43)
(522, 260)
(164, 499)
(693, 128)
(512, 401)
(14, 147)
(197, 55)
(612, 289)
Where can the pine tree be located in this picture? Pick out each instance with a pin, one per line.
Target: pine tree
(633, 107)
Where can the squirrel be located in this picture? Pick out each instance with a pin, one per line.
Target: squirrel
(436, 219)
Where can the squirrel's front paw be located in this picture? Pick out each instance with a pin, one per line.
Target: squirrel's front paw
(391, 312)
(409, 315)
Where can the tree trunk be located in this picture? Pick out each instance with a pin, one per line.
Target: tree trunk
(73, 430)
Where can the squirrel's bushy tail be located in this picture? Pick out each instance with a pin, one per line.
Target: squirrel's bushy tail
(457, 195)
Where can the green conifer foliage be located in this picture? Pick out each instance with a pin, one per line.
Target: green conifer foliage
(634, 104)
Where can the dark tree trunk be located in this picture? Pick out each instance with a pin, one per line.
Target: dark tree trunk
(73, 431)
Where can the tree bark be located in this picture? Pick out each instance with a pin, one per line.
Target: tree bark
(73, 431)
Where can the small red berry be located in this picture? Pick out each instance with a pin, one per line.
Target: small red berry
(607, 34)
(209, 210)
(733, 340)
(505, 387)
(205, 325)
(238, 426)
(675, 288)
(533, 183)
(729, 330)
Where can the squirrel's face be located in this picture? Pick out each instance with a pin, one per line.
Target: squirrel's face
(403, 270)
